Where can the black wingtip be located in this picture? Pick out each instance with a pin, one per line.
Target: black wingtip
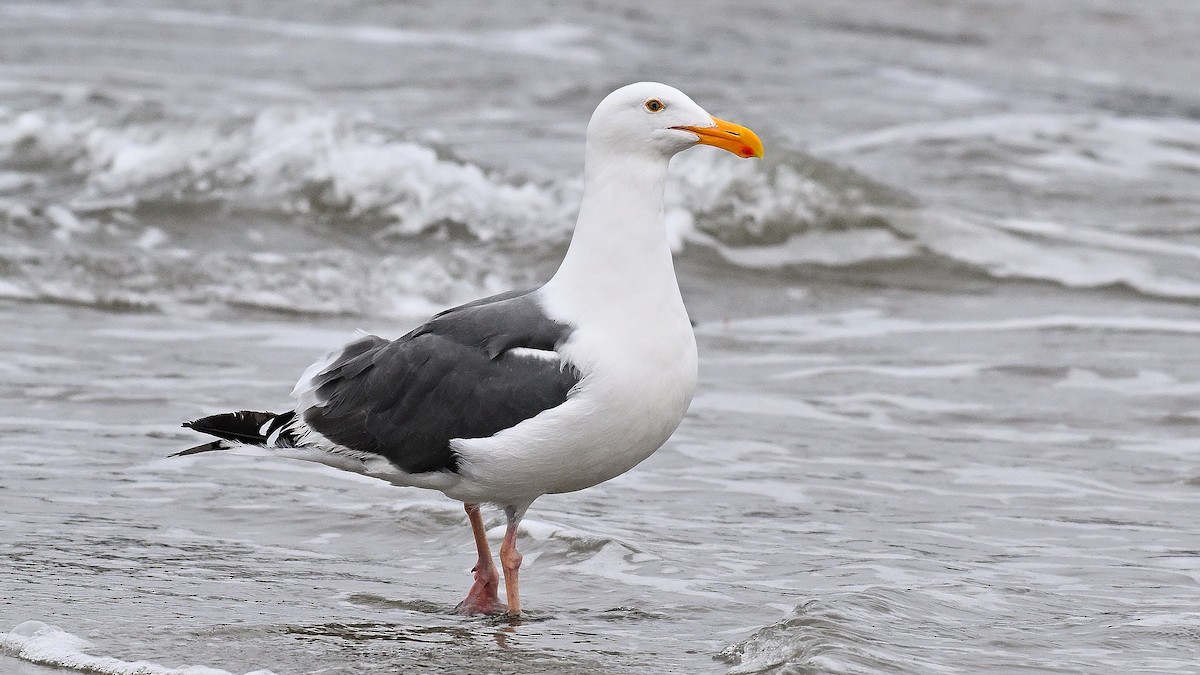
(206, 447)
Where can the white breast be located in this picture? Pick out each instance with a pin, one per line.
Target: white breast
(638, 374)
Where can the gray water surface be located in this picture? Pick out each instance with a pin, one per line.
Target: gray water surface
(950, 390)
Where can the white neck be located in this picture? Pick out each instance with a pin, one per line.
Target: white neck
(619, 249)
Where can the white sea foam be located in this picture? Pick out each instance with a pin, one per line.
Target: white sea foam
(748, 203)
(305, 161)
(47, 645)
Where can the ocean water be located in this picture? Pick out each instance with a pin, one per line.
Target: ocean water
(950, 385)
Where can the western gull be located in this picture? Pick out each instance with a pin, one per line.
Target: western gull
(532, 392)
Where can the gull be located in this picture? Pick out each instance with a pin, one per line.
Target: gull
(529, 392)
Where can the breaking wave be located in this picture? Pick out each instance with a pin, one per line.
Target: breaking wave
(290, 209)
(47, 645)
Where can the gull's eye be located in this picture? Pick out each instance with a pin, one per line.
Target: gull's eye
(654, 105)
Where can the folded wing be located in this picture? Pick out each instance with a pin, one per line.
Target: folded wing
(468, 373)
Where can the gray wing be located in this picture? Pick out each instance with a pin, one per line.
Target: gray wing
(453, 377)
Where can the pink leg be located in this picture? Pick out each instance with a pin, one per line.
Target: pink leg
(483, 597)
(510, 559)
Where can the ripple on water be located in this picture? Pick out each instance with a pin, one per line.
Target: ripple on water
(940, 629)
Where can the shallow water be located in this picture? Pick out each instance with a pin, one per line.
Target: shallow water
(949, 385)
(874, 489)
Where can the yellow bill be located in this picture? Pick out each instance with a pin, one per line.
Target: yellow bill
(729, 136)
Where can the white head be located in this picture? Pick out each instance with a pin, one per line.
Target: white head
(655, 119)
